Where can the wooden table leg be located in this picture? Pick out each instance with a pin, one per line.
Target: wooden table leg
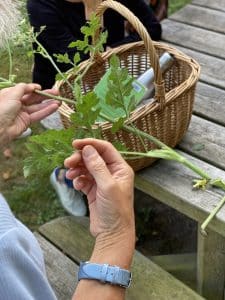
(211, 265)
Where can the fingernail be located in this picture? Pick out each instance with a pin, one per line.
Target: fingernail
(88, 151)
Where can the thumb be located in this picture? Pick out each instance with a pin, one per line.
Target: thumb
(95, 165)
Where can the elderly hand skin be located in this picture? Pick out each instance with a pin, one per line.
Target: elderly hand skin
(19, 107)
(89, 5)
(99, 171)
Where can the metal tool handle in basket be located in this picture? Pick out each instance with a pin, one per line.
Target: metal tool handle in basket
(141, 30)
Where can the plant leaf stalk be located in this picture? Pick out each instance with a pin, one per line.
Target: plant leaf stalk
(10, 59)
(46, 55)
(50, 96)
(169, 153)
(211, 216)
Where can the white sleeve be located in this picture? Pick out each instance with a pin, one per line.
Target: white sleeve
(22, 271)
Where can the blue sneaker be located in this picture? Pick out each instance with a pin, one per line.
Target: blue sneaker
(71, 199)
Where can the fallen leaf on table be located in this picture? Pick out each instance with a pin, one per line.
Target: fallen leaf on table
(198, 147)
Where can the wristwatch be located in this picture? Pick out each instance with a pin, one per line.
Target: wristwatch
(105, 273)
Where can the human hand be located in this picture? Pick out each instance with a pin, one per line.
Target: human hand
(100, 172)
(19, 107)
(90, 7)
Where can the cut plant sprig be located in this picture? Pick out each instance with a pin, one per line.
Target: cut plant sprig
(117, 89)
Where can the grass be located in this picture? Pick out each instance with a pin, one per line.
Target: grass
(34, 202)
(175, 5)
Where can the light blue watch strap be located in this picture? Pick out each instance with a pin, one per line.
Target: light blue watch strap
(104, 273)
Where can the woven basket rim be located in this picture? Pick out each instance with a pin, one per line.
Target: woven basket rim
(139, 112)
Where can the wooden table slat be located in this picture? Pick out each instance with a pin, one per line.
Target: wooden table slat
(201, 17)
(211, 138)
(210, 103)
(214, 4)
(212, 68)
(199, 39)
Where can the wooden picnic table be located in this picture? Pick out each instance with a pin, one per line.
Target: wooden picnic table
(197, 30)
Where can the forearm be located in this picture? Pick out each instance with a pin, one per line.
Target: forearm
(117, 252)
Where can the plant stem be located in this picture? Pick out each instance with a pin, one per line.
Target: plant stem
(80, 76)
(195, 169)
(140, 138)
(145, 135)
(181, 159)
(59, 98)
(160, 144)
(3, 79)
(211, 216)
(46, 55)
(10, 59)
(142, 154)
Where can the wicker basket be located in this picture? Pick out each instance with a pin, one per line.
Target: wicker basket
(168, 117)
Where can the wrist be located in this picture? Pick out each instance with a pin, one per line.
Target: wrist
(115, 249)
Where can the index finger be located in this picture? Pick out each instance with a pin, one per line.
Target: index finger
(105, 149)
(33, 98)
(17, 92)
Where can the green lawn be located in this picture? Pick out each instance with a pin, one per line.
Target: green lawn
(34, 202)
(175, 5)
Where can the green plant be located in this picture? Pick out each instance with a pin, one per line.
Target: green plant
(52, 147)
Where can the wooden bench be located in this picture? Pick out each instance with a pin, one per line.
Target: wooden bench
(66, 241)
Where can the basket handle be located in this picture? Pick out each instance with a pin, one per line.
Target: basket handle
(141, 30)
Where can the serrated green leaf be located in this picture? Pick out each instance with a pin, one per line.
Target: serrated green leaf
(115, 91)
(93, 25)
(59, 76)
(29, 54)
(89, 44)
(72, 45)
(81, 45)
(62, 58)
(99, 45)
(76, 58)
(218, 182)
(87, 111)
(119, 146)
(117, 125)
(114, 62)
(48, 151)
